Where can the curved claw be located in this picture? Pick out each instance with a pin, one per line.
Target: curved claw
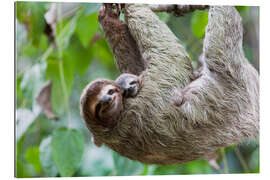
(113, 9)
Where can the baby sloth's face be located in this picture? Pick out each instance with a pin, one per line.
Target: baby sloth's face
(129, 84)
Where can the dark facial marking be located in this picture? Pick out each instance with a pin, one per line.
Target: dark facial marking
(98, 107)
(133, 82)
(111, 91)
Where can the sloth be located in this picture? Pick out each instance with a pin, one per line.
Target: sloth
(102, 100)
(174, 118)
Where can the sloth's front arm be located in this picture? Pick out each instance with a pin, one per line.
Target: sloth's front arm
(126, 52)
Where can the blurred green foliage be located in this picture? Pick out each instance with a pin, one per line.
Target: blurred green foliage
(199, 21)
(46, 147)
(67, 149)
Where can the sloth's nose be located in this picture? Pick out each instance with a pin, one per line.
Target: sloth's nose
(130, 88)
(130, 91)
(105, 100)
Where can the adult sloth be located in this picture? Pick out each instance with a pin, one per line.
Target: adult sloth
(174, 119)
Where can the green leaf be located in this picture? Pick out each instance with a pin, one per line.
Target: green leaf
(32, 15)
(87, 27)
(19, 92)
(79, 56)
(24, 119)
(199, 166)
(121, 17)
(21, 11)
(248, 52)
(43, 45)
(254, 161)
(167, 170)
(67, 150)
(124, 166)
(46, 157)
(32, 157)
(32, 81)
(21, 171)
(241, 9)
(199, 21)
(64, 33)
(96, 161)
(146, 170)
(30, 50)
(53, 73)
(103, 53)
(163, 16)
(34, 52)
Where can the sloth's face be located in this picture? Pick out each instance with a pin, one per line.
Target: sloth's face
(101, 103)
(109, 102)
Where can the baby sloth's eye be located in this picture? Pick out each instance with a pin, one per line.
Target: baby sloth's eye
(133, 82)
(111, 91)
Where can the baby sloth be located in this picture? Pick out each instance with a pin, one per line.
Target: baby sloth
(129, 84)
(101, 101)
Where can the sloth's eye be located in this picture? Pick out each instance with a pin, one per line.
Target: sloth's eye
(133, 82)
(111, 91)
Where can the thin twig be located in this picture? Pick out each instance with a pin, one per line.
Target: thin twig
(61, 71)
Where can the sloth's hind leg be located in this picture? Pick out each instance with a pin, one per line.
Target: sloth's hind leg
(202, 101)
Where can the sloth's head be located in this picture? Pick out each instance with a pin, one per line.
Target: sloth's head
(101, 103)
(129, 84)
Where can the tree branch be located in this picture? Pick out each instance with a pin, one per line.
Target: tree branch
(177, 10)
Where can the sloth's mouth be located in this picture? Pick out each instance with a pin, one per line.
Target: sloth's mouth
(109, 106)
(101, 110)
